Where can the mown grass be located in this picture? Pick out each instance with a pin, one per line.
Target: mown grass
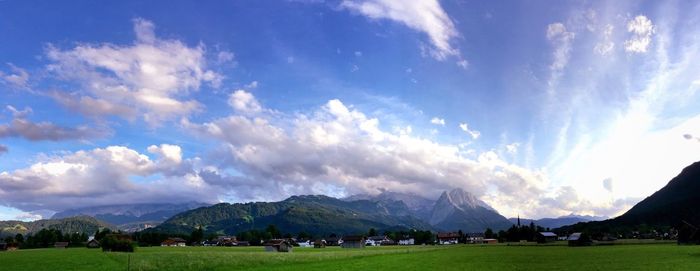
(462, 257)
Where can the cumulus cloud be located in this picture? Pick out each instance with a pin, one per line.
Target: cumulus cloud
(464, 64)
(18, 78)
(642, 29)
(513, 147)
(438, 121)
(103, 176)
(244, 102)
(338, 150)
(21, 127)
(150, 78)
(691, 137)
(423, 16)
(473, 133)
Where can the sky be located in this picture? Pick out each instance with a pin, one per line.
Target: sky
(539, 108)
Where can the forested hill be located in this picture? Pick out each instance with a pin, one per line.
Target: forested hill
(79, 224)
(318, 215)
(676, 202)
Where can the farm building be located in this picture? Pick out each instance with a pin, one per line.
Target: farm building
(305, 243)
(320, 243)
(93, 243)
(278, 245)
(578, 239)
(353, 241)
(448, 238)
(546, 237)
(475, 237)
(333, 241)
(60, 245)
(174, 242)
(490, 241)
(407, 241)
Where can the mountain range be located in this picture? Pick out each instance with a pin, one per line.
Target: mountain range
(557, 222)
(322, 215)
(131, 217)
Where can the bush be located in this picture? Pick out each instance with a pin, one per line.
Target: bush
(112, 243)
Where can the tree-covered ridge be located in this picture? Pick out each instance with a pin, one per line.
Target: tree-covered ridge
(319, 215)
(79, 224)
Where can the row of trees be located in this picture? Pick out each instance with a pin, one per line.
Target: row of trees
(46, 238)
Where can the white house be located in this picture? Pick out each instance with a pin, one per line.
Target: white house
(406, 242)
(306, 243)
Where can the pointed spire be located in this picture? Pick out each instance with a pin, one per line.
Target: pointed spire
(518, 220)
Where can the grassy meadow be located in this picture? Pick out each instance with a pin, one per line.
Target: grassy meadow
(457, 257)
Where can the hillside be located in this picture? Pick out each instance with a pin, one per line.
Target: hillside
(320, 215)
(132, 217)
(86, 224)
(668, 207)
(557, 222)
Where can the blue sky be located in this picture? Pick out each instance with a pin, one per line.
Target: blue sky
(539, 108)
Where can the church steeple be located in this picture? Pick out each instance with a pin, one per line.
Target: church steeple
(518, 220)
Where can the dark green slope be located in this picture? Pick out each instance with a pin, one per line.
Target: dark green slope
(679, 200)
(319, 215)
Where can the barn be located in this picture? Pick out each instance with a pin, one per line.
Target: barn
(353, 241)
(278, 245)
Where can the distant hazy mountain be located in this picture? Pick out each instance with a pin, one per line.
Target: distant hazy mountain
(676, 202)
(318, 215)
(559, 221)
(418, 206)
(132, 217)
(86, 224)
(460, 210)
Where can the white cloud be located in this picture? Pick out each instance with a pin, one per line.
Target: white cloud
(252, 85)
(19, 77)
(244, 102)
(473, 133)
(438, 121)
(464, 64)
(425, 16)
(642, 29)
(103, 176)
(513, 147)
(354, 68)
(358, 53)
(606, 46)
(224, 56)
(150, 77)
(21, 127)
(561, 39)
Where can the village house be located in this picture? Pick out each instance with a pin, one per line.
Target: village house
(278, 245)
(353, 241)
(305, 243)
(92, 243)
(448, 238)
(475, 237)
(378, 241)
(174, 242)
(407, 241)
(226, 241)
(60, 245)
(546, 237)
(578, 239)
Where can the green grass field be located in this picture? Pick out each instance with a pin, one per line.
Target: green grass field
(459, 257)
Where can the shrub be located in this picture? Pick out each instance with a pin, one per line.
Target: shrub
(112, 243)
